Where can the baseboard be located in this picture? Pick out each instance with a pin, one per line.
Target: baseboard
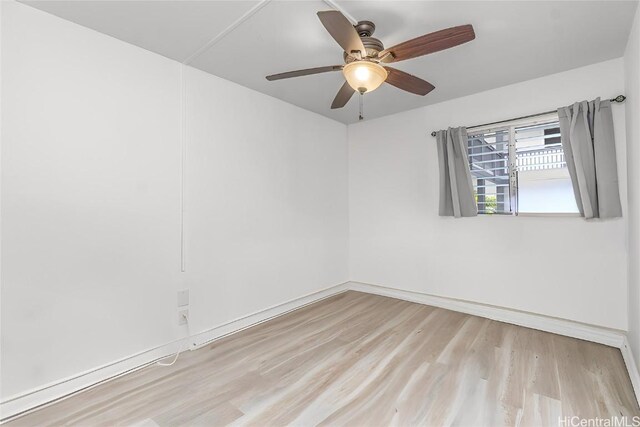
(632, 368)
(583, 331)
(31, 400)
(36, 398)
(203, 338)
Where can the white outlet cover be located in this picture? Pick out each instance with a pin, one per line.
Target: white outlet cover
(183, 297)
(183, 317)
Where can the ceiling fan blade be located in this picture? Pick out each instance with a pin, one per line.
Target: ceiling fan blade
(408, 82)
(429, 43)
(306, 72)
(344, 95)
(342, 31)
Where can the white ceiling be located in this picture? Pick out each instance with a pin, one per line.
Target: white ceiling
(243, 41)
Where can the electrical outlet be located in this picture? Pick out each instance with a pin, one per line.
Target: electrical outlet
(183, 317)
(183, 297)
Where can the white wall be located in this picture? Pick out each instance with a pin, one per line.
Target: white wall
(562, 267)
(548, 190)
(632, 88)
(545, 196)
(91, 200)
(90, 190)
(266, 202)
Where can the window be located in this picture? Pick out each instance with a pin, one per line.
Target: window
(489, 163)
(519, 168)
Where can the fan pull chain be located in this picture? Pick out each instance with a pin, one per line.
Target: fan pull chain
(361, 102)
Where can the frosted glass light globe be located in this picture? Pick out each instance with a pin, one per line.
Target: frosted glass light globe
(364, 76)
(362, 73)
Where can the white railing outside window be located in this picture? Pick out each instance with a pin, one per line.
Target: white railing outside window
(548, 157)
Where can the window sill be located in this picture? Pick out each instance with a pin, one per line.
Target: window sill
(551, 214)
(537, 215)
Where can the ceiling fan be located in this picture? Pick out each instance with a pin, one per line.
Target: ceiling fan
(364, 56)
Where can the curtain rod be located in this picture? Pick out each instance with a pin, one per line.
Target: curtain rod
(619, 98)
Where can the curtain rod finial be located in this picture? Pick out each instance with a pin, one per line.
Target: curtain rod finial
(433, 134)
(619, 98)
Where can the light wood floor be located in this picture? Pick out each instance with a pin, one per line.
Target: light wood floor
(363, 360)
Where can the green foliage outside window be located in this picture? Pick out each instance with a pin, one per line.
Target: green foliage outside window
(490, 204)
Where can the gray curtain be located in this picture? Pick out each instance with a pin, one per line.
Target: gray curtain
(456, 189)
(590, 152)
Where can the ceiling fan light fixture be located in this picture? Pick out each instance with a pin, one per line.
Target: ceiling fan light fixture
(364, 76)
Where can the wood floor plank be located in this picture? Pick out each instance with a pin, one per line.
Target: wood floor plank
(364, 360)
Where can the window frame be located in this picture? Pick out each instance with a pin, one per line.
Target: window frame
(512, 162)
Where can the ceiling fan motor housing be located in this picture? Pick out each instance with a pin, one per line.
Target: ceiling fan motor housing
(365, 30)
(372, 45)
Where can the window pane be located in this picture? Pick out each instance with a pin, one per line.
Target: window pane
(544, 185)
(489, 164)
